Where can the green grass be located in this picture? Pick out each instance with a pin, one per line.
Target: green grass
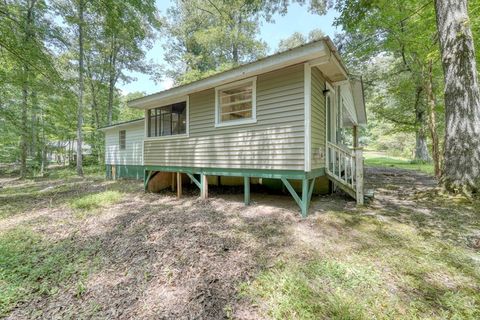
(375, 159)
(96, 200)
(371, 270)
(32, 266)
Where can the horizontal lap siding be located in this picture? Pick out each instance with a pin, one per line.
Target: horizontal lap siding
(276, 141)
(132, 155)
(318, 120)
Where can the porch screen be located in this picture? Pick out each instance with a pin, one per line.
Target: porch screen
(167, 120)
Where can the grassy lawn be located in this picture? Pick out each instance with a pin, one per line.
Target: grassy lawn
(84, 247)
(379, 159)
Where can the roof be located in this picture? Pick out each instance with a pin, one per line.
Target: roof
(310, 51)
(121, 124)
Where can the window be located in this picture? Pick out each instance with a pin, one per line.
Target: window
(235, 103)
(167, 120)
(122, 139)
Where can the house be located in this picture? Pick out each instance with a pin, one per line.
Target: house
(276, 118)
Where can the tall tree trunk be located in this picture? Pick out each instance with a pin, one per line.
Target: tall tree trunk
(25, 91)
(111, 87)
(80, 89)
(432, 122)
(112, 78)
(421, 147)
(462, 97)
(24, 128)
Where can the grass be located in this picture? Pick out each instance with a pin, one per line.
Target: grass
(377, 159)
(373, 270)
(58, 186)
(368, 263)
(97, 200)
(31, 266)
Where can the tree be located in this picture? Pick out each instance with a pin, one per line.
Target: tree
(25, 69)
(462, 97)
(297, 39)
(211, 36)
(401, 30)
(80, 23)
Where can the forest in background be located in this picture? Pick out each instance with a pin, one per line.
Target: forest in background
(61, 62)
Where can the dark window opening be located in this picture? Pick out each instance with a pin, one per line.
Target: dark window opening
(122, 139)
(168, 120)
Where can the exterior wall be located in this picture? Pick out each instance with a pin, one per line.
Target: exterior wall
(275, 141)
(318, 120)
(132, 155)
(125, 171)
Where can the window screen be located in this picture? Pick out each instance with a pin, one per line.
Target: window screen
(168, 120)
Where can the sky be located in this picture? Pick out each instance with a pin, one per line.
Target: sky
(298, 19)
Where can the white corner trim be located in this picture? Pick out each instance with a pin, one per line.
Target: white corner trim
(188, 116)
(308, 113)
(253, 119)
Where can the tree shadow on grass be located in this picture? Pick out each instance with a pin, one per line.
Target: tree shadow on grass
(415, 201)
(168, 258)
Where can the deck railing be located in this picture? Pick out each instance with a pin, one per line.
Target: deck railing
(346, 166)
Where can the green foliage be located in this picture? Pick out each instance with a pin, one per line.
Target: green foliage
(376, 159)
(31, 265)
(126, 113)
(367, 268)
(391, 44)
(38, 72)
(297, 39)
(97, 200)
(206, 37)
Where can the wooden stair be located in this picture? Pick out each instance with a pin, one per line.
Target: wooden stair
(345, 169)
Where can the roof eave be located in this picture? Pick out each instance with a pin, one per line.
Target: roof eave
(302, 54)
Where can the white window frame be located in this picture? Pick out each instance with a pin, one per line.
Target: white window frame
(120, 140)
(175, 136)
(253, 119)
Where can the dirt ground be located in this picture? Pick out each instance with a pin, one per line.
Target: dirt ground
(157, 257)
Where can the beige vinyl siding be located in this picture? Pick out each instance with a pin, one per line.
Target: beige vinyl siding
(275, 141)
(318, 120)
(132, 155)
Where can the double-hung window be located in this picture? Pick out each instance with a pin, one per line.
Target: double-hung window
(236, 103)
(167, 120)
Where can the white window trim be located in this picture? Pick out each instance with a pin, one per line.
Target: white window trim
(119, 140)
(174, 136)
(253, 119)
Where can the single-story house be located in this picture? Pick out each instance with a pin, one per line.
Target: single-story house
(275, 118)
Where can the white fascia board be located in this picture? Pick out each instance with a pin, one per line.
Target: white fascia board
(295, 56)
(121, 125)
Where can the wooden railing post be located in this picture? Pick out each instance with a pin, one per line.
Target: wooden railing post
(359, 175)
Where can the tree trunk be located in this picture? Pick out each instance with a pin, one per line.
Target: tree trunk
(112, 78)
(24, 128)
(80, 89)
(25, 92)
(421, 147)
(432, 122)
(462, 97)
